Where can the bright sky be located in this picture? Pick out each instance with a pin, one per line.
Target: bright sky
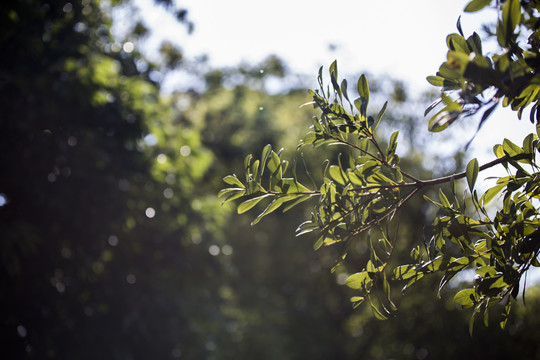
(404, 39)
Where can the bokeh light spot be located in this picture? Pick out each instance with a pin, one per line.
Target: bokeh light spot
(168, 193)
(150, 212)
(214, 250)
(113, 240)
(67, 7)
(162, 158)
(128, 47)
(150, 140)
(185, 150)
(227, 250)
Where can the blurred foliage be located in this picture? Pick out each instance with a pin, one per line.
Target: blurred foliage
(113, 243)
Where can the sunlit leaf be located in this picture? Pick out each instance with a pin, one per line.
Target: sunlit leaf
(405, 272)
(233, 180)
(466, 297)
(274, 165)
(358, 280)
(266, 153)
(299, 200)
(472, 173)
(248, 204)
(337, 175)
(377, 313)
(273, 206)
(306, 227)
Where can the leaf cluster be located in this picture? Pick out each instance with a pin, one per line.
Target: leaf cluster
(362, 192)
(472, 81)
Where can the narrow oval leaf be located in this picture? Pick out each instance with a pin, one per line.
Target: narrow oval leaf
(442, 120)
(377, 313)
(358, 280)
(472, 173)
(380, 115)
(299, 200)
(233, 180)
(491, 193)
(274, 165)
(444, 200)
(476, 5)
(273, 206)
(363, 88)
(337, 175)
(248, 204)
(266, 153)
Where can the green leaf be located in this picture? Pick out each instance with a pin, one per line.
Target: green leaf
(231, 194)
(291, 186)
(357, 300)
(273, 206)
(318, 243)
(380, 115)
(444, 200)
(511, 15)
(247, 163)
(476, 5)
(299, 200)
(405, 272)
(491, 193)
(466, 297)
(248, 204)
(475, 44)
(392, 146)
(344, 89)
(442, 119)
(306, 227)
(472, 173)
(456, 42)
(233, 180)
(377, 313)
(255, 170)
(266, 153)
(338, 175)
(510, 148)
(436, 80)
(333, 69)
(361, 105)
(363, 88)
(274, 165)
(358, 280)
(458, 264)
